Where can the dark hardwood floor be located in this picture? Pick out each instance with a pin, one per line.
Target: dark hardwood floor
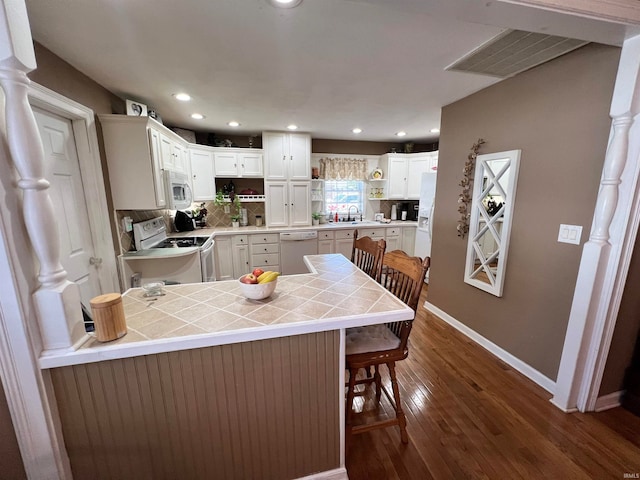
(470, 415)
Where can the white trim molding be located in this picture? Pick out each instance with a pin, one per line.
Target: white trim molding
(606, 256)
(517, 364)
(619, 11)
(337, 474)
(607, 402)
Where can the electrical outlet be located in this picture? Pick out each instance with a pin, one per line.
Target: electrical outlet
(570, 234)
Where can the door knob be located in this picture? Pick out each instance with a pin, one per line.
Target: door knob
(95, 261)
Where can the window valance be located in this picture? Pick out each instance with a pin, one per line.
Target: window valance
(343, 169)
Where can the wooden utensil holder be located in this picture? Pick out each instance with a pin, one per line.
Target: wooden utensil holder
(108, 317)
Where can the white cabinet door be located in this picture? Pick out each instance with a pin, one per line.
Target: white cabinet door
(240, 260)
(250, 164)
(166, 152)
(158, 170)
(299, 156)
(344, 246)
(202, 176)
(277, 204)
(275, 155)
(397, 178)
(224, 258)
(226, 164)
(287, 156)
(325, 246)
(300, 204)
(416, 167)
(409, 240)
(180, 158)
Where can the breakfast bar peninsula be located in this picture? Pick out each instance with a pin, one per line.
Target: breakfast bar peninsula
(208, 384)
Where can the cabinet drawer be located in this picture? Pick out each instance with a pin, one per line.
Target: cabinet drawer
(266, 238)
(324, 235)
(262, 259)
(342, 234)
(374, 233)
(265, 248)
(239, 240)
(393, 232)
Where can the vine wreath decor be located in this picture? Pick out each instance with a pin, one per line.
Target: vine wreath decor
(464, 199)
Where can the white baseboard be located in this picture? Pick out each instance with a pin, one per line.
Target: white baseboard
(525, 369)
(336, 474)
(606, 402)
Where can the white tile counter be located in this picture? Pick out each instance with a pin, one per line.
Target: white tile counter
(335, 296)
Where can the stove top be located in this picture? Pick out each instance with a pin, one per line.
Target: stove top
(177, 242)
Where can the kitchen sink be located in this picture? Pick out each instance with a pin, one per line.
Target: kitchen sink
(354, 222)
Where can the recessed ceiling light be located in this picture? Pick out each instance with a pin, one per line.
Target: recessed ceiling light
(197, 116)
(183, 97)
(401, 134)
(292, 127)
(357, 130)
(233, 124)
(435, 130)
(285, 3)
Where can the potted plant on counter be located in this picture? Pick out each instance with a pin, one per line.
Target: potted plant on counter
(226, 203)
(315, 218)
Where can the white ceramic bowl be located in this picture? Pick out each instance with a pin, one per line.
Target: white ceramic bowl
(258, 291)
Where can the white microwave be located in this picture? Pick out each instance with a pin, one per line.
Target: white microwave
(179, 194)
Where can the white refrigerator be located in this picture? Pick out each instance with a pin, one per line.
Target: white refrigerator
(425, 215)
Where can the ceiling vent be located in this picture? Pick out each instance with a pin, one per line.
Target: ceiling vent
(514, 51)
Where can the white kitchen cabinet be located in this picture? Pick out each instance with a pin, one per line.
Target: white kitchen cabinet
(393, 237)
(404, 173)
(326, 242)
(265, 251)
(240, 254)
(409, 240)
(238, 164)
(374, 233)
(174, 153)
(344, 242)
(224, 258)
(202, 175)
(287, 204)
(287, 156)
(133, 148)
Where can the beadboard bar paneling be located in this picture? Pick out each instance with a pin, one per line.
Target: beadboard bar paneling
(264, 409)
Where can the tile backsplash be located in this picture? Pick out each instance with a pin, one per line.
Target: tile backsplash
(215, 218)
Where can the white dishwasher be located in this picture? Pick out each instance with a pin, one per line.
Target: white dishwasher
(293, 247)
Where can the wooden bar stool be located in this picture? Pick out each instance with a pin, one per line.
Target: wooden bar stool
(375, 345)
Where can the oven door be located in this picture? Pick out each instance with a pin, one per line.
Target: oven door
(207, 262)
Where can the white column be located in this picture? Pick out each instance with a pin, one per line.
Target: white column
(605, 257)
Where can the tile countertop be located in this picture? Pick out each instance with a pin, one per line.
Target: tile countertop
(335, 295)
(253, 229)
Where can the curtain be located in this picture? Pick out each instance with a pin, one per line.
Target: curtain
(343, 169)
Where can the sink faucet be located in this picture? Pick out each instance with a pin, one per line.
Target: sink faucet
(349, 213)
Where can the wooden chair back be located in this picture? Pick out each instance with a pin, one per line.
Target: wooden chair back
(367, 254)
(404, 277)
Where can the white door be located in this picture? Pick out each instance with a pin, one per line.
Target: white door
(277, 204)
(67, 194)
(397, 178)
(202, 177)
(299, 156)
(275, 154)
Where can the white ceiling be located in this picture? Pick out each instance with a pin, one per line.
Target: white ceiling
(327, 65)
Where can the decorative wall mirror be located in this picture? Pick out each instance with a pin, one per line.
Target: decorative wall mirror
(494, 193)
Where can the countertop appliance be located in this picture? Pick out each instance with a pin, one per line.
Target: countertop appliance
(425, 215)
(183, 221)
(152, 234)
(294, 246)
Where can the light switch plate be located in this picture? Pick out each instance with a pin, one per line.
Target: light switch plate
(570, 234)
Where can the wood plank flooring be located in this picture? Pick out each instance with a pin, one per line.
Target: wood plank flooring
(470, 415)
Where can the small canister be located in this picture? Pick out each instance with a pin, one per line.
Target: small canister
(258, 220)
(108, 317)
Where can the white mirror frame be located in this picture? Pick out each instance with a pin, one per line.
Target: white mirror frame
(478, 262)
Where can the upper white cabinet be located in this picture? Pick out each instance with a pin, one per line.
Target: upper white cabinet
(404, 173)
(202, 177)
(238, 163)
(134, 150)
(288, 204)
(287, 156)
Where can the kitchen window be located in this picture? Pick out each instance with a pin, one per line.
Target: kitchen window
(339, 195)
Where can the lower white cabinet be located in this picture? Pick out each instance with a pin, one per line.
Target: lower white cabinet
(344, 242)
(394, 239)
(265, 251)
(232, 256)
(288, 204)
(409, 240)
(326, 242)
